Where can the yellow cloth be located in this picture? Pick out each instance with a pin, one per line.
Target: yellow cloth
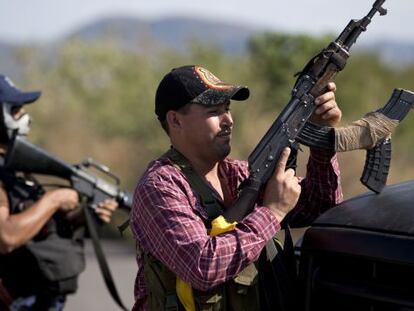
(184, 289)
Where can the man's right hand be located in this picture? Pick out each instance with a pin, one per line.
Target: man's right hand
(283, 189)
(64, 199)
(17, 229)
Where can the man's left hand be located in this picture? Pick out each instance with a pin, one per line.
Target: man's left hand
(327, 112)
(105, 209)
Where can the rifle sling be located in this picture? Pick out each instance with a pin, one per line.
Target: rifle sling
(212, 207)
(210, 204)
(103, 264)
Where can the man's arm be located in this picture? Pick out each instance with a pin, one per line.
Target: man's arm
(321, 189)
(165, 224)
(18, 229)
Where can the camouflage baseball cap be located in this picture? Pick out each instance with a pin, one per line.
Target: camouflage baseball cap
(194, 84)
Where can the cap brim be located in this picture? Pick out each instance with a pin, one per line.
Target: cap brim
(216, 96)
(241, 93)
(20, 98)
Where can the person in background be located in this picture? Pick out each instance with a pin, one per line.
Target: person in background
(41, 245)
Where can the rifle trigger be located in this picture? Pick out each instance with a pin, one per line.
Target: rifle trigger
(294, 145)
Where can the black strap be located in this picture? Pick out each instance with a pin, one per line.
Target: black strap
(122, 227)
(289, 253)
(276, 288)
(210, 204)
(103, 264)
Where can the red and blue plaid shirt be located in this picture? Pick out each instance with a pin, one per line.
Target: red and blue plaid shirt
(168, 221)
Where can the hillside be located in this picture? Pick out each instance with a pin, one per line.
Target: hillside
(172, 33)
(176, 33)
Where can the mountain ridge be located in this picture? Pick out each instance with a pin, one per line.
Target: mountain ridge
(175, 32)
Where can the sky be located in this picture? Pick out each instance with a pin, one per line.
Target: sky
(45, 20)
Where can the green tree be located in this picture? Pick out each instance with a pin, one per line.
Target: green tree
(275, 58)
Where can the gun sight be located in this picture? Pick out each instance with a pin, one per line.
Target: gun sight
(377, 6)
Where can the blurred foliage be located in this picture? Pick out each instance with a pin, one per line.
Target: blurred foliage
(98, 100)
(276, 58)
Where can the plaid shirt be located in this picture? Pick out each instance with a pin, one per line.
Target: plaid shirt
(167, 221)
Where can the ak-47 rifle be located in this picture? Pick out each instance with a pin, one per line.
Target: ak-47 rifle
(287, 128)
(277, 273)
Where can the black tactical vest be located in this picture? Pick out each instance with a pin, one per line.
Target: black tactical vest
(239, 294)
(51, 262)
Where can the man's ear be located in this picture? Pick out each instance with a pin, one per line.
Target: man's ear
(173, 119)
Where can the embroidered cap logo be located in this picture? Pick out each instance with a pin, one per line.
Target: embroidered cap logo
(210, 79)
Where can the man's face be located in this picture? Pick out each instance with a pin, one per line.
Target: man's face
(15, 118)
(17, 112)
(207, 130)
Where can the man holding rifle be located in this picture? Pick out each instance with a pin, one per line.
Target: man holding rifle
(41, 249)
(181, 263)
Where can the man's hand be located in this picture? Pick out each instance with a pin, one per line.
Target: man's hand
(64, 199)
(327, 112)
(105, 210)
(283, 189)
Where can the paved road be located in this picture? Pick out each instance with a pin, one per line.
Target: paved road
(92, 293)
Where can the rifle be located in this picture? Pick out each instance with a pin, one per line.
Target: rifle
(23, 156)
(285, 130)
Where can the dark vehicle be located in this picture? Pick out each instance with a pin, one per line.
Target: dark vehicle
(360, 254)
